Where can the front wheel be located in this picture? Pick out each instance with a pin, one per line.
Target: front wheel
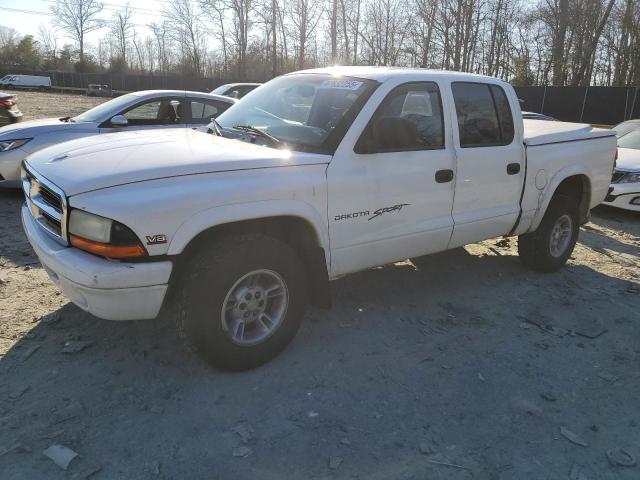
(550, 246)
(242, 300)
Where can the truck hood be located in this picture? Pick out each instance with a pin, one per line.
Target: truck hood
(108, 160)
(32, 128)
(628, 159)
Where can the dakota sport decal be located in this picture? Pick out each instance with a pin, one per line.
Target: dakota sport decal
(367, 213)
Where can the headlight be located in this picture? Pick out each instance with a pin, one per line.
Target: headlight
(103, 236)
(631, 177)
(6, 145)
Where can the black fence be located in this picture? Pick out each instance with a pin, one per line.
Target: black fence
(123, 82)
(599, 105)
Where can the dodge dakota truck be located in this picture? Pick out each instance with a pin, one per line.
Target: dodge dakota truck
(313, 175)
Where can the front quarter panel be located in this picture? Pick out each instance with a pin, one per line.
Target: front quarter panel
(175, 210)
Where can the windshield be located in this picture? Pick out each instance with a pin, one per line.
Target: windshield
(99, 113)
(626, 127)
(630, 140)
(309, 112)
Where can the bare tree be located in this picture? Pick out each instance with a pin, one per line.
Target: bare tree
(48, 41)
(188, 33)
(216, 11)
(77, 18)
(305, 16)
(160, 34)
(121, 27)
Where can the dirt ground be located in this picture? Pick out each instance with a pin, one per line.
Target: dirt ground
(34, 105)
(469, 368)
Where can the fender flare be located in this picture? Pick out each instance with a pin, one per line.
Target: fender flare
(545, 195)
(238, 212)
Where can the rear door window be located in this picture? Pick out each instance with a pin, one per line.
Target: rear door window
(504, 114)
(484, 115)
(202, 111)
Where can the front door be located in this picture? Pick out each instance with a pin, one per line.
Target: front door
(390, 196)
(160, 112)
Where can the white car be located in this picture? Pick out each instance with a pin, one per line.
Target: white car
(314, 175)
(537, 116)
(627, 126)
(235, 90)
(624, 191)
(149, 109)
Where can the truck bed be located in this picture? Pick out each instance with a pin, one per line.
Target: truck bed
(542, 132)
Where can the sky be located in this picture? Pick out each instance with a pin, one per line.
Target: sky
(32, 13)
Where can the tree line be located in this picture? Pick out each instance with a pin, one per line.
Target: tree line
(551, 42)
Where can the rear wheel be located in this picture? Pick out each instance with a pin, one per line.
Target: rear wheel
(242, 300)
(550, 246)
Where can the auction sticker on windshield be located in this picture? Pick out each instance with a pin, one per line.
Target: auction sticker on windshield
(343, 84)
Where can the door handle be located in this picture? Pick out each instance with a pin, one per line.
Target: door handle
(444, 176)
(513, 168)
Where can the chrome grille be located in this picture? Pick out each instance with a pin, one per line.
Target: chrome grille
(617, 175)
(47, 203)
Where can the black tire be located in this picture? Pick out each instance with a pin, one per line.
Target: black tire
(209, 277)
(535, 249)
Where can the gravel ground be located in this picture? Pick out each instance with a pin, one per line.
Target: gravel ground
(469, 368)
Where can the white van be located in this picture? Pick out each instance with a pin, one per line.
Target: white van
(25, 81)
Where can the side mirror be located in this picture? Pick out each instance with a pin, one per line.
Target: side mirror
(119, 121)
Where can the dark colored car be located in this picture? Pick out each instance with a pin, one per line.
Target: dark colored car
(9, 112)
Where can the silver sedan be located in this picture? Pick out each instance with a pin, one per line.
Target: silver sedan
(138, 110)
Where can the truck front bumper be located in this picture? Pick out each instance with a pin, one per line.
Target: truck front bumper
(105, 288)
(624, 195)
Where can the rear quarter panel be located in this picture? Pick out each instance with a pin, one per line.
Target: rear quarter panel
(549, 164)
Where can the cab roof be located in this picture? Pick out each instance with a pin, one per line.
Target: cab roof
(382, 74)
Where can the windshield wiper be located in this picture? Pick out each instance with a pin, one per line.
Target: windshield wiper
(248, 128)
(67, 120)
(217, 128)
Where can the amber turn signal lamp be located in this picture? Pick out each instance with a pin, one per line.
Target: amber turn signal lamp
(108, 250)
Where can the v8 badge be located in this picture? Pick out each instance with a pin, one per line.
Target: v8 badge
(156, 239)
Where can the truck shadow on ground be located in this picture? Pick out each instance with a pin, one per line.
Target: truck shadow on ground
(443, 364)
(14, 246)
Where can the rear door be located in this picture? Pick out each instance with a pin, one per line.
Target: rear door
(203, 110)
(390, 196)
(490, 163)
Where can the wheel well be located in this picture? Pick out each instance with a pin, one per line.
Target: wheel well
(294, 231)
(578, 187)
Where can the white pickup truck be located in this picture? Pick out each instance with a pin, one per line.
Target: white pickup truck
(314, 175)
